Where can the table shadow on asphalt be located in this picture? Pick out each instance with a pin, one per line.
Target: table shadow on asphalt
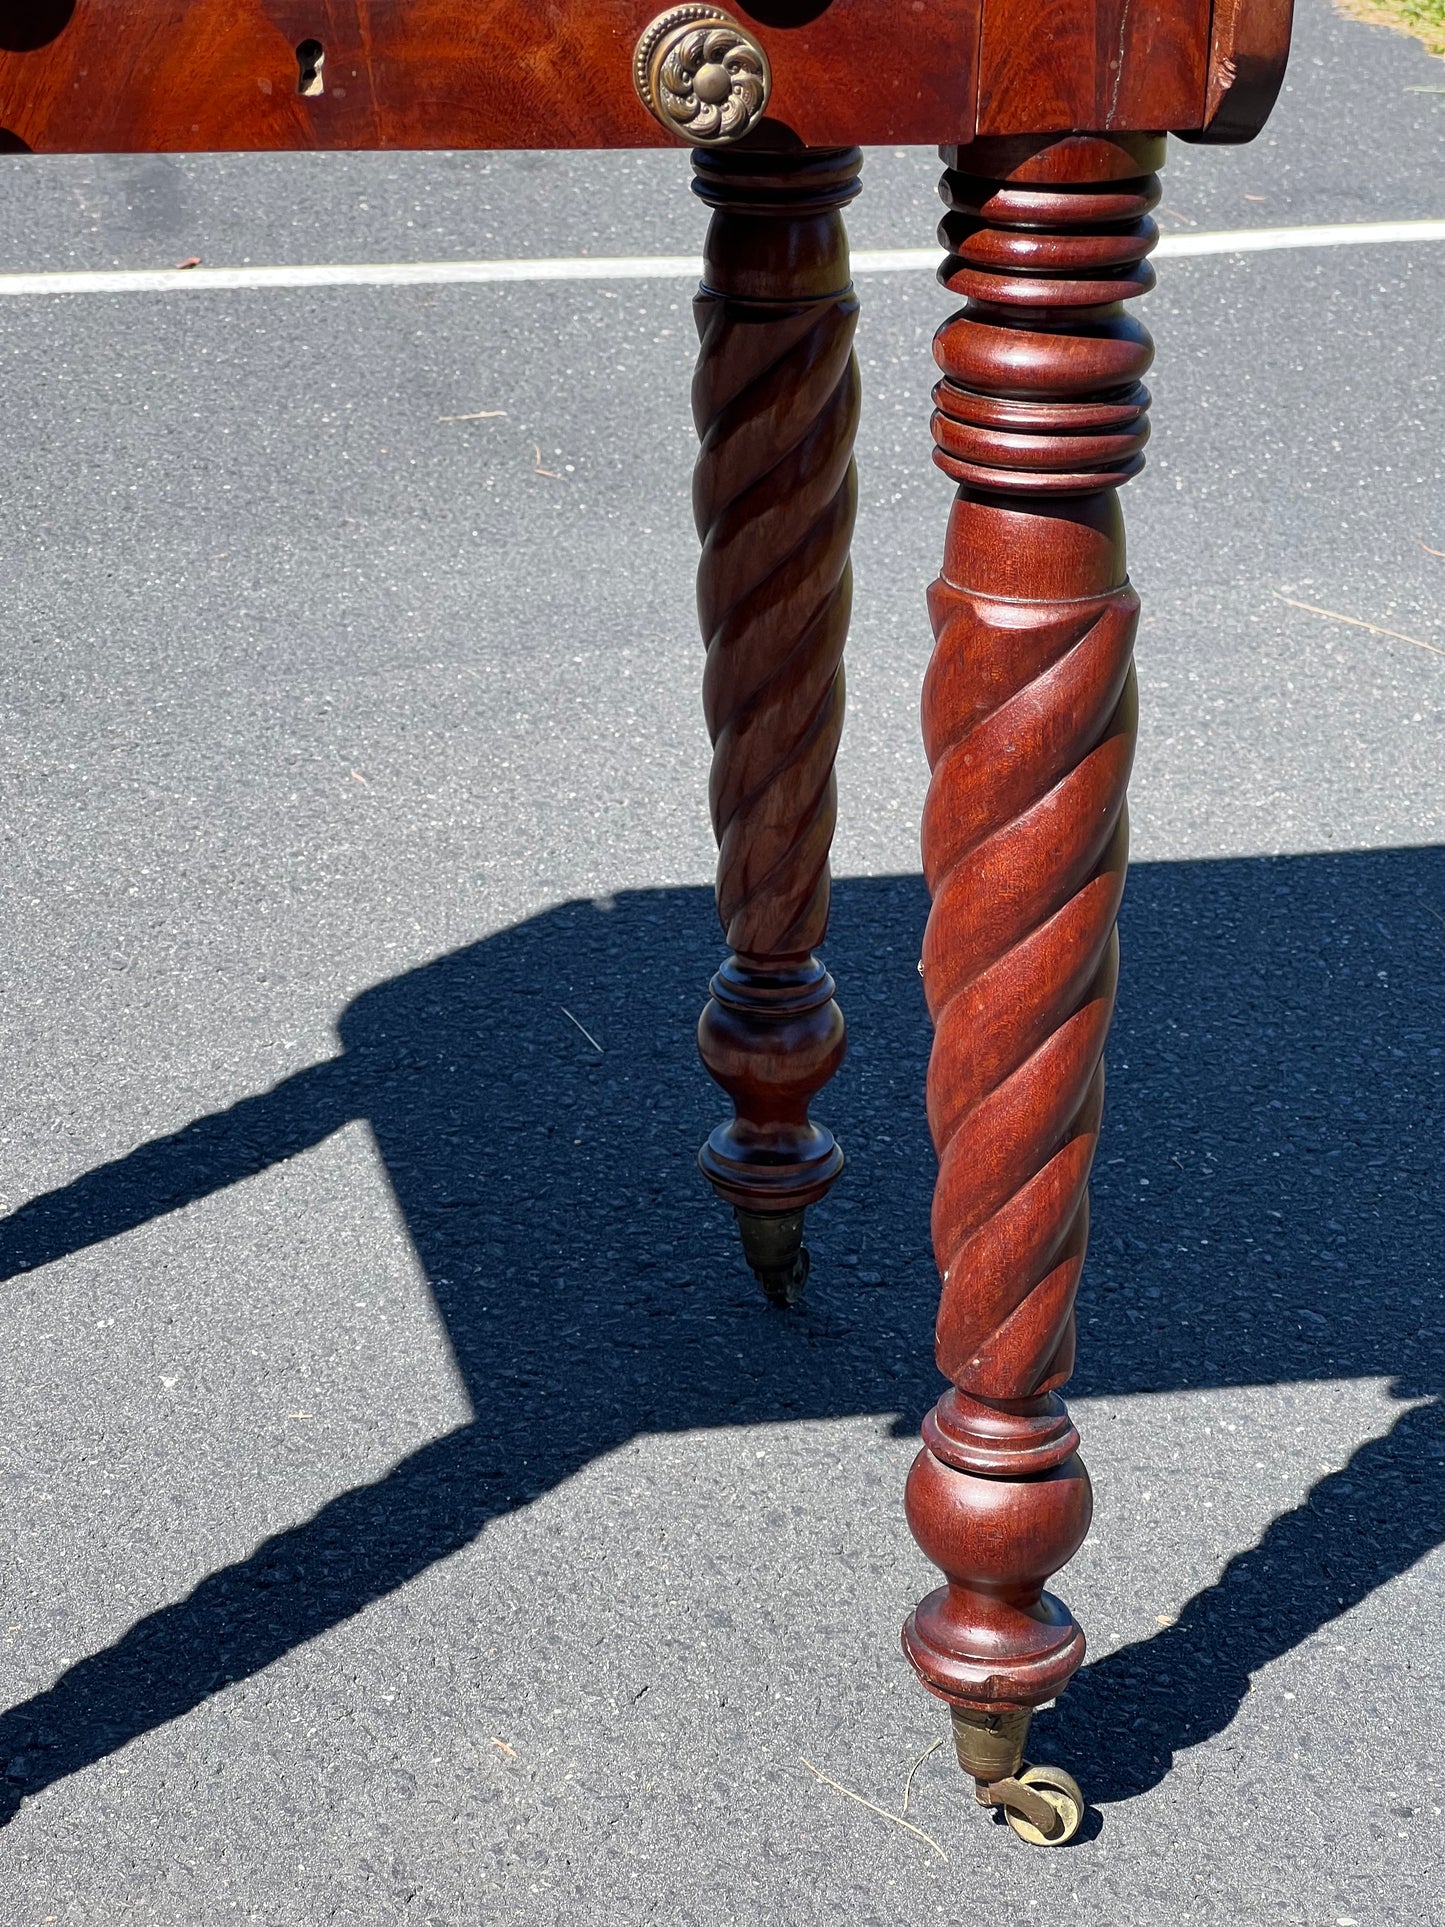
(1272, 1077)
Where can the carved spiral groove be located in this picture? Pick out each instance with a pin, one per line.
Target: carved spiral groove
(775, 496)
(1029, 718)
(1030, 735)
(1029, 726)
(776, 404)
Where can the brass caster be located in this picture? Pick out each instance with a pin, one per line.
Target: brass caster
(773, 1246)
(1043, 1805)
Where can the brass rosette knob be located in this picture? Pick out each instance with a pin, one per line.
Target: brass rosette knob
(702, 75)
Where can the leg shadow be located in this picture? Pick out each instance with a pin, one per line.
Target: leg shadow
(1283, 1105)
(1126, 1718)
(588, 1290)
(295, 1586)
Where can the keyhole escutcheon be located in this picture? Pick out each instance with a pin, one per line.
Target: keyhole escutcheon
(310, 58)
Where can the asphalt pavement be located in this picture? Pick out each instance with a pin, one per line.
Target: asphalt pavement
(409, 1511)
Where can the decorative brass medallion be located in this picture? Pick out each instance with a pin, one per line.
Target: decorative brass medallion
(702, 75)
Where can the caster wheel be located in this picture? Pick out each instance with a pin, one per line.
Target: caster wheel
(1061, 1790)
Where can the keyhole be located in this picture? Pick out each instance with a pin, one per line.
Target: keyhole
(310, 58)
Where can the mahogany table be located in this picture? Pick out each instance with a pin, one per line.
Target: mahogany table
(1051, 116)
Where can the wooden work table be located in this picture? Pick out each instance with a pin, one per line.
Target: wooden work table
(1051, 116)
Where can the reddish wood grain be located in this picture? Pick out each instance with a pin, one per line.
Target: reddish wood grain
(1061, 64)
(775, 399)
(1029, 716)
(150, 75)
(118, 75)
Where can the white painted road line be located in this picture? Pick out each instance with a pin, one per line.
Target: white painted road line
(1263, 240)
(361, 274)
(648, 267)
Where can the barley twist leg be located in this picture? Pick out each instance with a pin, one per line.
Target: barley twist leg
(1029, 717)
(776, 404)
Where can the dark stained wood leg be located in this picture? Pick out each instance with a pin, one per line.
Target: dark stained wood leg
(775, 399)
(1029, 717)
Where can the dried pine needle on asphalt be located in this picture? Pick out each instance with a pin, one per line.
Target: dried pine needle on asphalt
(908, 1783)
(882, 1812)
(1355, 622)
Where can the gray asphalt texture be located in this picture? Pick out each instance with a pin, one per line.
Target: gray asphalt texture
(409, 1511)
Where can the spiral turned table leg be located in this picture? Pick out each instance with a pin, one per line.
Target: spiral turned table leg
(776, 404)
(1029, 716)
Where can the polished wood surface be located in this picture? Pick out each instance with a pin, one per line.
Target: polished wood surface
(1092, 63)
(150, 75)
(117, 75)
(1248, 50)
(1029, 717)
(775, 493)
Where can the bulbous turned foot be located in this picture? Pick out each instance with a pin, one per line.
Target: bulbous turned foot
(773, 1246)
(992, 1638)
(772, 1035)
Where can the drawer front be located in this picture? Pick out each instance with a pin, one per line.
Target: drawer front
(87, 76)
